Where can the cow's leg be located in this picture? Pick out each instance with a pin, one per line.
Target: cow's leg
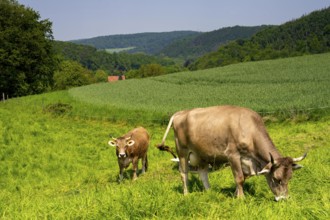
(183, 166)
(121, 173)
(184, 173)
(144, 163)
(135, 167)
(236, 168)
(203, 174)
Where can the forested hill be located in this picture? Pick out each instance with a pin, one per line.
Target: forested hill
(116, 63)
(183, 44)
(195, 46)
(309, 34)
(149, 43)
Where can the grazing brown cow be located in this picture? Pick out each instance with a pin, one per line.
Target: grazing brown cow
(222, 134)
(130, 148)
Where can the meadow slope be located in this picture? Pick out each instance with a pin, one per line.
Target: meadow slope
(55, 162)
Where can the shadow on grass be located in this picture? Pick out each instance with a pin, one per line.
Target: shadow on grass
(127, 176)
(196, 185)
(248, 189)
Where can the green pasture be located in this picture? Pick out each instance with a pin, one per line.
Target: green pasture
(118, 50)
(55, 162)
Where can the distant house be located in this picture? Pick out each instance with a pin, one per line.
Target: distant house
(116, 78)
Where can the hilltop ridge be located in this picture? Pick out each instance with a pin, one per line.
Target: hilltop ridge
(184, 44)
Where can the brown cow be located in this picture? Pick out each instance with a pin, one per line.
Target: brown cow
(222, 134)
(130, 148)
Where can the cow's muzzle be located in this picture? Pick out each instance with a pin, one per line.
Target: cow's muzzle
(123, 155)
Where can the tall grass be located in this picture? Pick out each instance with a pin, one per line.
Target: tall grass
(55, 167)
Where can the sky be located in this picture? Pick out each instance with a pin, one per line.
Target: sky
(81, 19)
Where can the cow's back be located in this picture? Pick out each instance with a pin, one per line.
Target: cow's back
(141, 137)
(209, 131)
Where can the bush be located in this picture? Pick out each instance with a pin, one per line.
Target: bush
(72, 74)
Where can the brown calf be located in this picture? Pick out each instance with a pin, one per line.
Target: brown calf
(130, 148)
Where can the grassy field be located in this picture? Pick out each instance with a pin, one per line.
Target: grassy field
(55, 162)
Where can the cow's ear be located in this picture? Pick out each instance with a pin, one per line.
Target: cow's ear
(130, 143)
(112, 143)
(265, 170)
(296, 166)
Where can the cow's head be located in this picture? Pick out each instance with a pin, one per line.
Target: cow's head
(278, 173)
(121, 144)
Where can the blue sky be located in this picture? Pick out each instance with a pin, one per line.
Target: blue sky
(78, 19)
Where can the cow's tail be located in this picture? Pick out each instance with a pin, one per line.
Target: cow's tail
(162, 145)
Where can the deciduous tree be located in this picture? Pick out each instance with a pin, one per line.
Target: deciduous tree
(27, 61)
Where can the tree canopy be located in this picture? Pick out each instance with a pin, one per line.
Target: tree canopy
(72, 74)
(27, 60)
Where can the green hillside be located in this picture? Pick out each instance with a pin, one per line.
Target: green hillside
(309, 34)
(195, 46)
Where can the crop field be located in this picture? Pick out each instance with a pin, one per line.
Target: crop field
(269, 86)
(55, 162)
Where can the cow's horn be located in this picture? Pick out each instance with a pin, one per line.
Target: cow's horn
(128, 138)
(299, 158)
(114, 138)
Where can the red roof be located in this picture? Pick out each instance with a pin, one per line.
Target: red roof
(115, 78)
